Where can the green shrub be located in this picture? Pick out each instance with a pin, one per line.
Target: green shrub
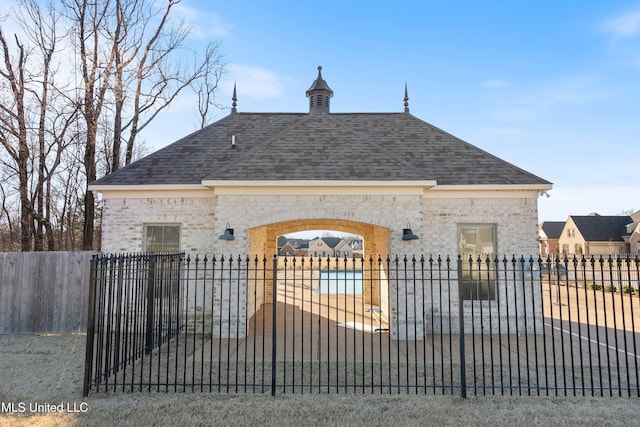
(629, 290)
(595, 286)
(611, 289)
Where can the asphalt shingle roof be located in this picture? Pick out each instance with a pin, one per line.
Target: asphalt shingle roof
(321, 146)
(596, 228)
(553, 229)
(332, 242)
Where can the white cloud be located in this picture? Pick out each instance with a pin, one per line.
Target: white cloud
(256, 82)
(513, 114)
(572, 89)
(502, 131)
(623, 26)
(545, 97)
(495, 84)
(579, 89)
(203, 24)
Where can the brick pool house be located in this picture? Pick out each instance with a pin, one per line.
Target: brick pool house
(402, 184)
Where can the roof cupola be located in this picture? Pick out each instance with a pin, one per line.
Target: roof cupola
(319, 94)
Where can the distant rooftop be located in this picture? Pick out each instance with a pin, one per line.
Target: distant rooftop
(597, 228)
(553, 229)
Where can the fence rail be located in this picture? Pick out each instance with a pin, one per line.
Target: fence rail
(397, 325)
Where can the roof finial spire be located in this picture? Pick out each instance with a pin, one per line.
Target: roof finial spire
(406, 98)
(234, 98)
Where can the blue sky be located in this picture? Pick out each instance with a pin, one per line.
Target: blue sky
(551, 86)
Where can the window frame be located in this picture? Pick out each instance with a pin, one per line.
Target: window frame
(163, 243)
(481, 275)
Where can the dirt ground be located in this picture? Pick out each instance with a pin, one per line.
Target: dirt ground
(42, 375)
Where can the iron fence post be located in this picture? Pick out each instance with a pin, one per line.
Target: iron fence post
(91, 317)
(463, 371)
(274, 300)
(150, 297)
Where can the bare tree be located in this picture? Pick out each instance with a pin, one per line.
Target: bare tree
(133, 64)
(91, 18)
(7, 231)
(207, 86)
(163, 86)
(65, 114)
(33, 117)
(152, 67)
(13, 128)
(42, 28)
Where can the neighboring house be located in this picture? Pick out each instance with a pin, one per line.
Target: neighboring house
(595, 235)
(404, 185)
(356, 244)
(550, 232)
(292, 247)
(287, 249)
(324, 246)
(344, 249)
(632, 238)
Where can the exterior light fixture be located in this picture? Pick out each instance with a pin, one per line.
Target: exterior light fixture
(228, 234)
(407, 233)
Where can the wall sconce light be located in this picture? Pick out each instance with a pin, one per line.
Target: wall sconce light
(228, 234)
(407, 233)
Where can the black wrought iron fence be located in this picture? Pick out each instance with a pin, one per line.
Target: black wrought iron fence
(134, 308)
(336, 325)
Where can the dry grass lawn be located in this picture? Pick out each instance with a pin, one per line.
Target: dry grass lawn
(48, 370)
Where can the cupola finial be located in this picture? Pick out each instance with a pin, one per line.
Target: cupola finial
(319, 94)
(234, 98)
(406, 98)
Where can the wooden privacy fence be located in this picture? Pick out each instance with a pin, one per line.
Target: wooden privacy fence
(44, 292)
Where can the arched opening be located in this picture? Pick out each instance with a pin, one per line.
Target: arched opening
(338, 279)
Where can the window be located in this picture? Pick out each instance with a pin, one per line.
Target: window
(571, 232)
(565, 249)
(478, 278)
(162, 238)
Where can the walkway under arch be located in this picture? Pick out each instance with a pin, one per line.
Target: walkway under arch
(263, 240)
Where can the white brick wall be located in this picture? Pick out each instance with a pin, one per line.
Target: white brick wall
(124, 219)
(434, 217)
(434, 220)
(247, 211)
(515, 219)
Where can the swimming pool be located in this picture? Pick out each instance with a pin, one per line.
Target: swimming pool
(339, 282)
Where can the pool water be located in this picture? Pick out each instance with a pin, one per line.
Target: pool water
(340, 282)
